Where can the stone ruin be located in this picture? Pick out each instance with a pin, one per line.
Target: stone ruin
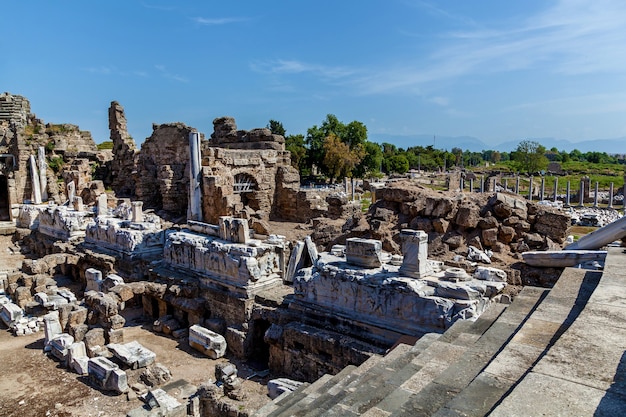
(218, 278)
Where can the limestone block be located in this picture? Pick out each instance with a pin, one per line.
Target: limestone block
(75, 352)
(278, 386)
(211, 344)
(94, 279)
(22, 296)
(167, 405)
(364, 252)
(116, 322)
(107, 375)
(115, 336)
(80, 365)
(77, 316)
(52, 326)
(111, 281)
(132, 354)
(456, 291)
(155, 375)
(11, 313)
(94, 337)
(59, 345)
(78, 331)
(490, 274)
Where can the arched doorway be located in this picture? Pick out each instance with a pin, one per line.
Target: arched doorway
(245, 185)
(5, 215)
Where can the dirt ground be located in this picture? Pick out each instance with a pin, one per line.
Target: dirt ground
(33, 384)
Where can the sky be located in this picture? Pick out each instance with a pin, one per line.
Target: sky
(492, 69)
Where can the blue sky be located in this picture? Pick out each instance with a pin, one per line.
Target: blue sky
(496, 70)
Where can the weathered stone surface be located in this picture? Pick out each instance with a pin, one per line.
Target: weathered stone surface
(211, 344)
(155, 375)
(132, 354)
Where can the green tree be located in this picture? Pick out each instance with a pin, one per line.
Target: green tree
(530, 156)
(339, 160)
(398, 164)
(372, 161)
(276, 128)
(295, 145)
(354, 135)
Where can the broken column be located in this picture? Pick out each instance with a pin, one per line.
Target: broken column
(233, 230)
(43, 168)
(204, 340)
(94, 279)
(78, 204)
(137, 212)
(415, 252)
(71, 191)
(34, 175)
(195, 192)
(103, 208)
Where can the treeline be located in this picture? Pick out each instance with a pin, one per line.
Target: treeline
(336, 150)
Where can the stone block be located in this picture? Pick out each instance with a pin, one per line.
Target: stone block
(11, 313)
(115, 336)
(364, 252)
(278, 386)
(52, 326)
(78, 331)
(210, 343)
(94, 279)
(107, 375)
(80, 365)
(59, 346)
(132, 354)
(94, 337)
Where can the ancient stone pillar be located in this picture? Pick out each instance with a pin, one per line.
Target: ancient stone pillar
(530, 188)
(233, 230)
(103, 208)
(415, 252)
(556, 188)
(595, 195)
(461, 184)
(542, 189)
(581, 197)
(517, 184)
(567, 194)
(137, 212)
(353, 187)
(71, 191)
(34, 175)
(194, 211)
(610, 196)
(471, 185)
(43, 178)
(482, 184)
(78, 204)
(506, 185)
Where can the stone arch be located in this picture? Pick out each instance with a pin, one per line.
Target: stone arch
(246, 186)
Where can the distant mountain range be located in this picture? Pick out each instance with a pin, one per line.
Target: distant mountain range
(610, 146)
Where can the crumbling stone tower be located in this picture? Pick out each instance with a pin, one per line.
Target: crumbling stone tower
(124, 151)
(242, 171)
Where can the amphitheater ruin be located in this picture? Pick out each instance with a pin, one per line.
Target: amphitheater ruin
(194, 276)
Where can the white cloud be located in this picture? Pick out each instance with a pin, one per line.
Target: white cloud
(283, 66)
(572, 37)
(164, 72)
(207, 21)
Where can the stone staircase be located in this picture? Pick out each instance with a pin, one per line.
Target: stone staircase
(470, 370)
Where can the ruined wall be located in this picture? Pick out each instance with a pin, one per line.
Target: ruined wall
(505, 223)
(162, 173)
(243, 172)
(124, 153)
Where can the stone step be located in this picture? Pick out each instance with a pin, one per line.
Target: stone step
(543, 328)
(396, 365)
(297, 402)
(459, 373)
(283, 398)
(388, 393)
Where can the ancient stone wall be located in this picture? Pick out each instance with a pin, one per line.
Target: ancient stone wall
(505, 223)
(244, 173)
(162, 173)
(124, 152)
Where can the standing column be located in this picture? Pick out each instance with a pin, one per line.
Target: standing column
(137, 211)
(43, 178)
(462, 184)
(517, 184)
(611, 196)
(471, 185)
(506, 186)
(482, 184)
(556, 188)
(567, 194)
(595, 195)
(530, 188)
(353, 187)
(581, 199)
(415, 252)
(34, 175)
(194, 211)
(543, 188)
